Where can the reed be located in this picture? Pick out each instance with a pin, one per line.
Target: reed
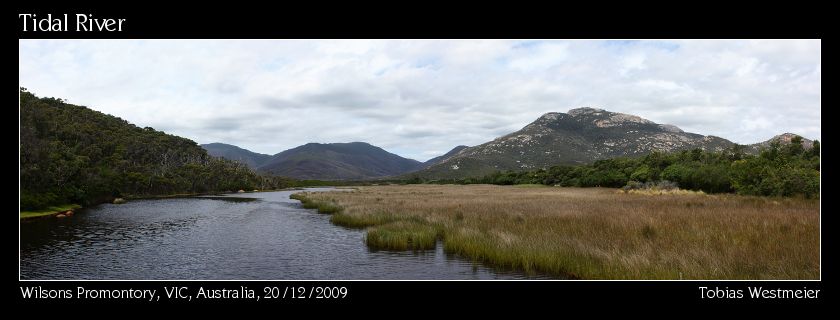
(590, 233)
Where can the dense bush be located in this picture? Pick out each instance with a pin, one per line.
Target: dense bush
(656, 185)
(777, 170)
(72, 154)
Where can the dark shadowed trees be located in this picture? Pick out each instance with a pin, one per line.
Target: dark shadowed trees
(72, 154)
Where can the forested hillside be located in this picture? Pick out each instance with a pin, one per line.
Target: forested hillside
(778, 170)
(338, 161)
(72, 154)
(252, 159)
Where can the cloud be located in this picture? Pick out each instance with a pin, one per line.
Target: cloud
(422, 98)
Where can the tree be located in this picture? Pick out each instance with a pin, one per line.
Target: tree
(71, 154)
(642, 174)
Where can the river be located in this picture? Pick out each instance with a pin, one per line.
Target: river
(263, 235)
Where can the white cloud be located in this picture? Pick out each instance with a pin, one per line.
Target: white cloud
(756, 123)
(632, 62)
(539, 57)
(421, 98)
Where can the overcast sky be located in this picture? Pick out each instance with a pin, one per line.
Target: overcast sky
(419, 99)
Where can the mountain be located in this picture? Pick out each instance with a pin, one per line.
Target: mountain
(335, 161)
(338, 161)
(252, 159)
(580, 136)
(782, 139)
(438, 159)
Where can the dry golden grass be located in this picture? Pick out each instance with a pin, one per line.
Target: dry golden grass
(592, 233)
(659, 192)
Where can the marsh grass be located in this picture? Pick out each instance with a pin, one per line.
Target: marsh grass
(590, 233)
(361, 221)
(402, 235)
(530, 185)
(326, 206)
(657, 192)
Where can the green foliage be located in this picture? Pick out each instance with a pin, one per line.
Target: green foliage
(779, 171)
(48, 211)
(788, 170)
(642, 174)
(72, 154)
(415, 179)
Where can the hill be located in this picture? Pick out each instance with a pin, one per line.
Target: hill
(580, 136)
(441, 158)
(338, 161)
(72, 154)
(782, 139)
(252, 159)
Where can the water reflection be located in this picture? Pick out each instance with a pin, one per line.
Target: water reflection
(262, 235)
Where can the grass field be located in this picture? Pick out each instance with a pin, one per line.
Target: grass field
(48, 211)
(589, 233)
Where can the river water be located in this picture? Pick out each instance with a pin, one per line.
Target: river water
(261, 235)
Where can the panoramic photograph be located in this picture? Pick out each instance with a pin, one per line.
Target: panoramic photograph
(419, 159)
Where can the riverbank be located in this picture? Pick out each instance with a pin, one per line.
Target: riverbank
(189, 195)
(268, 238)
(174, 196)
(54, 210)
(589, 233)
(46, 212)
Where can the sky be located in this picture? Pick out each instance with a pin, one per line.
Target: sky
(421, 98)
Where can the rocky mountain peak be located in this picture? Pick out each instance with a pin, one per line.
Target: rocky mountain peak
(550, 116)
(786, 137)
(604, 119)
(670, 128)
(582, 135)
(585, 110)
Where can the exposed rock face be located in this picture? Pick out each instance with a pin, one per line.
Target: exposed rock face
(670, 128)
(579, 136)
(444, 157)
(580, 111)
(782, 139)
